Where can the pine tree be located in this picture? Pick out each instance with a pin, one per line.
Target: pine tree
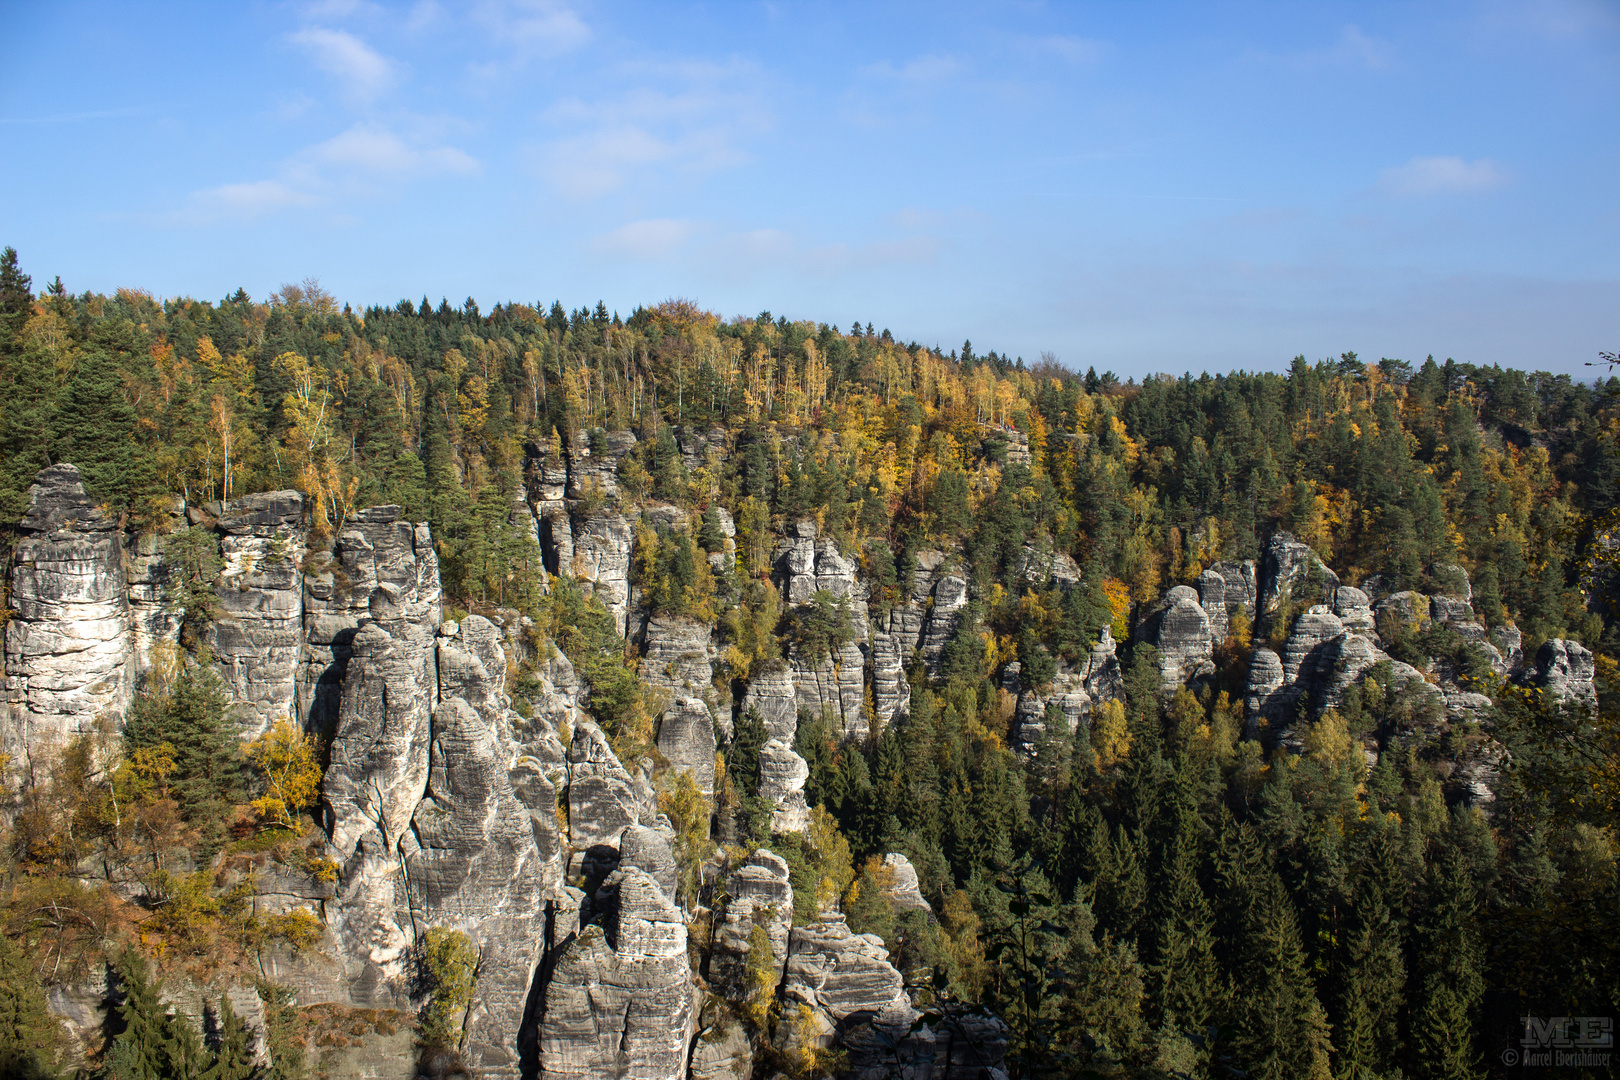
(193, 717)
(1281, 1031)
(1447, 976)
(233, 1057)
(1184, 972)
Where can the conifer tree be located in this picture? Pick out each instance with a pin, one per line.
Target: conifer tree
(233, 1057)
(1281, 1031)
(1447, 981)
(30, 1036)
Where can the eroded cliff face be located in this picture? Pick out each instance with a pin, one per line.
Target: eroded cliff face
(447, 805)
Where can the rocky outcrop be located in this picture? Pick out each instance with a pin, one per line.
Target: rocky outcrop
(1311, 630)
(1265, 684)
(782, 776)
(760, 895)
(686, 738)
(257, 641)
(619, 1003)
(153, 617)
(1354, 611)
(1181, 631)
(602, 543)
(950, 597)
(381, 569)
(68, 641)
(675, 655)
(891, 690)
(1565, 670)
(647, 849)
(840, 979)
(603, 799)
(901, 885)
(834, 685)
(1292, 569)
(772, 693)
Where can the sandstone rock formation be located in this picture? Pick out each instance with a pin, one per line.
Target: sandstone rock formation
(68, 641)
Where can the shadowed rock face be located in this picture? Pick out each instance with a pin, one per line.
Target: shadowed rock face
(68, 642)
(835, 684)
(773, 694)
(841, 978)
(620, 999)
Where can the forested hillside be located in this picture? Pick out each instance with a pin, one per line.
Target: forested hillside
(1231, 724)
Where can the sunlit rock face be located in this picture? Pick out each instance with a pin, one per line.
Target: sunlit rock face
(68, 641)
(258, 639)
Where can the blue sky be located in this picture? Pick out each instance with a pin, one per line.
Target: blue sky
(1141, 187)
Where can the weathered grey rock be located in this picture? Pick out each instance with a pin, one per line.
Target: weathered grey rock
(380, 569)
(1311, 630)
(1354, 610)
(647, 849)
(1265, 685)
(1182, 634)
(1040, 567)
(686, 738)
(1464, 706)
(891, 690)
(760, 895)
(483, 856)
(782, 776)
(772, 693)
(68, 641)
(1288, 568)
(835, 684)
(722, 1052)
(1240, 586)
(258, 640)
(154, 620)
(379, 750)
(602, 543)
(595, 469)
(1411, 608)
(950, 597)
(840, 977)
(902, 887)
(603, 799)
(1100, 675)
(1212, 598)
(1033, 713)
(620, 999)
(676, 655)
(1510, 643)
(1565, 670)
(1341, 664)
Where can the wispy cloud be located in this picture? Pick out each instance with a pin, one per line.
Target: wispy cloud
(922, 69)
(1441, 176)
(1354, 48)
(656, 238)
(364, 73)
(693, 117)
(533, 28)
(240, 202)
(1067, 47)
(381, 151)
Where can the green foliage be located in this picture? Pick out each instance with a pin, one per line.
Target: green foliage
(448, 961)
(32, 1039)
(821, 627)
(191, 717)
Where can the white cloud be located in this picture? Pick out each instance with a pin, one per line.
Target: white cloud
(534, 27)
(243, 201)
(364, 72)
(1355, 48)
(655, 238)
(379, 150)
(697, 121)
(1441, 176)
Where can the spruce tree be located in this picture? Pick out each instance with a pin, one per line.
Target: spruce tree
(233, 1057)
(1448, 983)
(30, 1036)
(1281, 1031)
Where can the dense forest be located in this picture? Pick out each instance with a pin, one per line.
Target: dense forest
(1164, 891)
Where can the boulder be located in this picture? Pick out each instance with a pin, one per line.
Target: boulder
(901, 885)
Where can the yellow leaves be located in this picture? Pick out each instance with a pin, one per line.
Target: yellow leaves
(1110, 735)
(837, 869)
(1119, 602)
(291, 771)
(1328, 741)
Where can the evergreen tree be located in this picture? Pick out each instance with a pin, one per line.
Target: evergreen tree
(193, 717)
(1281, 1032)
(233, 1057)
(31, 1038)
(1447, 979)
